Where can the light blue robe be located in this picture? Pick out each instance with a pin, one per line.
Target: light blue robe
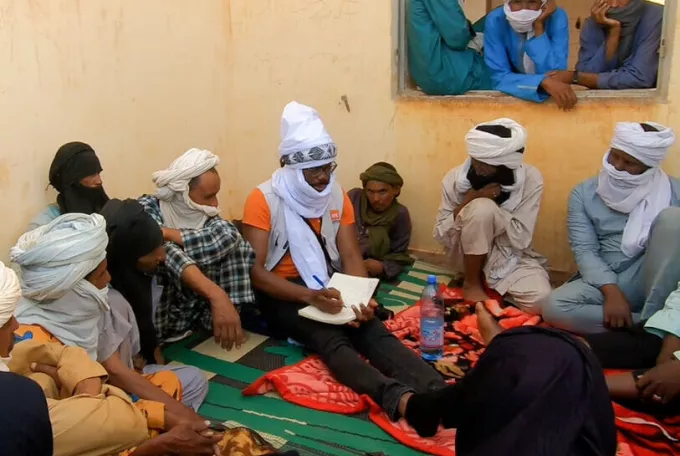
(504, 54)
(595, 235)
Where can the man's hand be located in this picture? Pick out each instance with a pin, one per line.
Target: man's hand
(89, 386)
(548, 10)
(326, 300)
(490, 191)
(226, 322)
(375, 268)
(561, 92)
(671, 344)
(563, 76)
(661, 384)
(616, 308)
(599, 15)
(158, 356)
(172, 235)
(185, 439)
(364, 313)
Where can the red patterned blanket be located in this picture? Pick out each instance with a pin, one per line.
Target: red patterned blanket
(310, 384)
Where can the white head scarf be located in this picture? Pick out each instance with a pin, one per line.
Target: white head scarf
(178, 210)
(10, 294)
(54, 260)
(305, 143)
(496, 151)
(522, 21)
(641, 196)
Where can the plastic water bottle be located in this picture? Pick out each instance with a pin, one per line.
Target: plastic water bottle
(431, 321)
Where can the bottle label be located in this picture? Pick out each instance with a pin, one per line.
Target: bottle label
(432, 335)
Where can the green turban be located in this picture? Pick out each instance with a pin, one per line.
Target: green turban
(382, 172)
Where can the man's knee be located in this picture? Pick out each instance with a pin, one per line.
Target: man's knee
(535, 301)
(556, 304)
(480, 210)
(667, 223)
(194, 385)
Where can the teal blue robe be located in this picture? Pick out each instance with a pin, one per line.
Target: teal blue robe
(439, 59)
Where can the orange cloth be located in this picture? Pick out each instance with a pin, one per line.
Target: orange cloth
(153, 411)
(257, 214)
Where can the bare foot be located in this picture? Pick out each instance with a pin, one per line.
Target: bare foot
(488, 327)
(474, 293)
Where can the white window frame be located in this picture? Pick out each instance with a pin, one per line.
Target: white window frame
(656, 95)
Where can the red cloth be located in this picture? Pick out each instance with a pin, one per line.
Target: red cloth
(310, 384)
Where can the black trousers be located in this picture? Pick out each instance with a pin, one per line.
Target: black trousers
(393, 371)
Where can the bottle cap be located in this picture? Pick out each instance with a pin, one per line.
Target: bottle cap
(432, 280)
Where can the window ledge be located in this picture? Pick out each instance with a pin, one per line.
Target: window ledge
(637, 95)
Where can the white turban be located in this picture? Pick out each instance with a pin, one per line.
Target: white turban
(650, 147)
(178, 210)
(305, 143)
(54, 260)
(54, 257)
(10, 293)
(494, 150)
(641, 196)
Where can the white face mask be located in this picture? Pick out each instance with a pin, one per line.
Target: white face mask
(4, 363)
(521, 21)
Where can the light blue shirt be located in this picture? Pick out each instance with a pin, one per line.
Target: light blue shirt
(596, 232)
(504, 51)
(595, 235)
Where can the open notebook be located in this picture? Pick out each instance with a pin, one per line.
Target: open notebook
(354, 291)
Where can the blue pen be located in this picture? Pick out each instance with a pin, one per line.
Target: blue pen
(318, 280)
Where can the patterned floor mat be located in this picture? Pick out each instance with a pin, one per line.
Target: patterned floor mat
(285, 425)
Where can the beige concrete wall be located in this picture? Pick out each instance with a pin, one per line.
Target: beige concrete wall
(144, 80)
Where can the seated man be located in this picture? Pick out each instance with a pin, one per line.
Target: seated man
(383, 224)
(652, 350)
(75, 174)
(206, 278)
(620, 45)
(134, 253)
(66, 409)
(301, 225)
(64, 282)
(524, 42)
(538, 381)
(624, 230)
(487, 217)
(444, 52)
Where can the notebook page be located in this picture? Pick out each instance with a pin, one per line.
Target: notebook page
(354, 290)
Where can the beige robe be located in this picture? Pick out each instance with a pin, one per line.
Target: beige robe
(81, 425)
(484, 228)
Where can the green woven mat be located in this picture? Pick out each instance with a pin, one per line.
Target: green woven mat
(285, 425)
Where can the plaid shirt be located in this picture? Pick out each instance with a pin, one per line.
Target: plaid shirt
(221, 253)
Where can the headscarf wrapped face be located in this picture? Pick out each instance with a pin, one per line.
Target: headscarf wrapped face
(629, 17)
(641, 196)
(178, 209)
(132, 235)
(305, 144)
(522, 21)
(55, 260)
(74, 162)
(378, 224)
(496, 151)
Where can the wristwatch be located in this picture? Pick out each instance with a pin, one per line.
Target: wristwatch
(575, 78)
